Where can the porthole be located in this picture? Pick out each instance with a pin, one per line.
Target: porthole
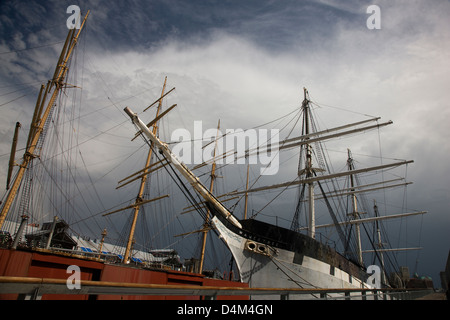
(251, 246)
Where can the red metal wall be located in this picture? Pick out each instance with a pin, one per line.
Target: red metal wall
(42, 265)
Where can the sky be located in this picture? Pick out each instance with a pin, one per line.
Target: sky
(246, 63)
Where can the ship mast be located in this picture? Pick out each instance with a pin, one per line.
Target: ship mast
(355, 214)
(309, 171)
(100, 247)
(41, 115)
(142, 185)
(211, 188)
(379, 244)
(246, 194)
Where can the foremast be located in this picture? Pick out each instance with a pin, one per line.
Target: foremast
(190, 177)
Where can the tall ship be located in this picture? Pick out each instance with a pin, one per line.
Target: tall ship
(260, 253)
(270, 256)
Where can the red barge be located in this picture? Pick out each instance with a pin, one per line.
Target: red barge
(48, 264)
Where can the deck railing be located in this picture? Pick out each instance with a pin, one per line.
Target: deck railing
(35, 288)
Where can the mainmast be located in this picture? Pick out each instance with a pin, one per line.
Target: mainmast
(41, 115)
